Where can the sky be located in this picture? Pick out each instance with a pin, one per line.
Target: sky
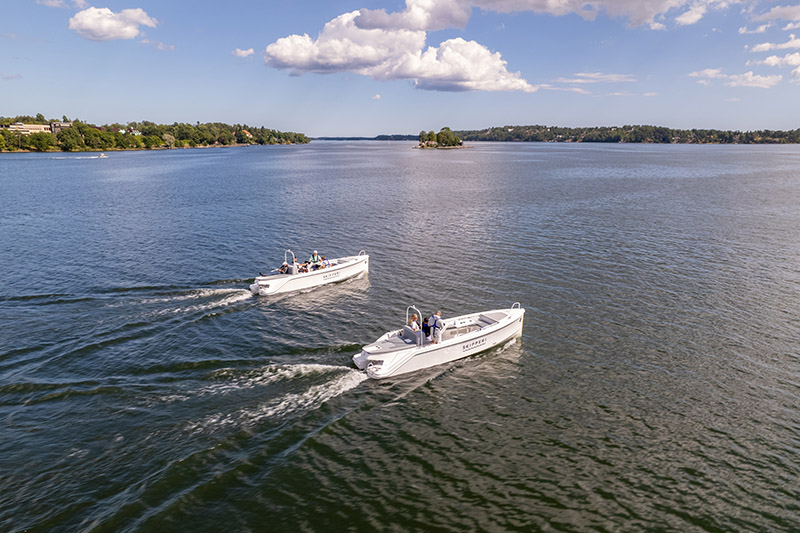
(364, 68)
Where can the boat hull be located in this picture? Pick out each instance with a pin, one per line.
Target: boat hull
(416, 357)
(342, 269)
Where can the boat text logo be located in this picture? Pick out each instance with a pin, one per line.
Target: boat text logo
(472, 345)
(331, 275)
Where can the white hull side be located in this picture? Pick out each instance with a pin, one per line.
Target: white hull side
(417, 358)
(346, 268)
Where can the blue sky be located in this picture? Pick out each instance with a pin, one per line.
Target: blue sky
(370, 67)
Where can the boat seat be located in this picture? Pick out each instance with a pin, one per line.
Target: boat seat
(411, 335)
(484, 321)
(292, 269)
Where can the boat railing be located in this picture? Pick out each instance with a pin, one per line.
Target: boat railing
(286, 257)
(362, 252)
(516, 305)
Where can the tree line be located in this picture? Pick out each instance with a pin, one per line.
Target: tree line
(629, 134)
(83, 136)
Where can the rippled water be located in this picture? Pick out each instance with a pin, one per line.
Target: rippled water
(655, 386)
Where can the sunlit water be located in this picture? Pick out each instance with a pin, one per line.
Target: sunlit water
(656, 384)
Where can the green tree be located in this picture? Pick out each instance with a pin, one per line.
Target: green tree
(70, 139)
(41, 141)
(169, 140)
(151, 141)
(446, 137)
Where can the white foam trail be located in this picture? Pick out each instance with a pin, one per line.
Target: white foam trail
(265, 376)
(290, 403)
(231, 296)
(507, 345)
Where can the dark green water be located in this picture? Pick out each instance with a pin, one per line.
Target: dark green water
(656, 385)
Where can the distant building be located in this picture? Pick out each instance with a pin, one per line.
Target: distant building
(27, 129)
(55, 127)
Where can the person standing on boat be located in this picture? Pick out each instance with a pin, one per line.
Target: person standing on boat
(413, 322)
(436, 325)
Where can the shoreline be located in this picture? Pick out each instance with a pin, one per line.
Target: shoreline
(160, 148)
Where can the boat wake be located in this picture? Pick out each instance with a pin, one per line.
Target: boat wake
(343, 380)
(78, 157)
(208, 300)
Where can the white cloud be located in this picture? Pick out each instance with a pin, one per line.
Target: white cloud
(242, 53)
(650, 94)
(791, 26)
(81, 4)
(781, 13)
(748, 79)
(579, 90)
(708, 73)
(392, 54)
(342, 46)
(789, 60)
(102, 24)
(425, 15)
(8, 77)
(392, 45)
(692, 16)
(158, 45)
(598, 77)
(376, 97)
(456, 65)
(638, 12)
(761, 29)
(793, 42)
(430, 15)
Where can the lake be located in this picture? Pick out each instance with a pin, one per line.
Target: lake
(656, 385)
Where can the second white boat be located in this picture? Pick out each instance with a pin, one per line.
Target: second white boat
(405, 350)
(334, 270)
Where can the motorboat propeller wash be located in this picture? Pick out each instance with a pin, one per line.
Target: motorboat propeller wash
(406, 350)
(333, 270)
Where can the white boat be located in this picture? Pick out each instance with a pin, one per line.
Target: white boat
(102, 156)
(406, 350)
(333, 270)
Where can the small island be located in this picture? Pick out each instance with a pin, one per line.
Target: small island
(445, 139)
(37, 134)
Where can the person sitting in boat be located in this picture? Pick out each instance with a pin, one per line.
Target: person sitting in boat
(426, 329)
(325, 263)
(412, 322)
(315, 259)
(284, 268)
(436, 325)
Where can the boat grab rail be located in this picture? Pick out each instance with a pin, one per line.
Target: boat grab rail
(286, 258)
(362, 252)
(516, 305)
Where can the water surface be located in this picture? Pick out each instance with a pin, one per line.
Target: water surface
(142, 387)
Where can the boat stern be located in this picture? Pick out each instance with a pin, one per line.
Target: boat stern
(262, 286)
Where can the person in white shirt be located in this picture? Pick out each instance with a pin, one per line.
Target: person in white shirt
(436, 325)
